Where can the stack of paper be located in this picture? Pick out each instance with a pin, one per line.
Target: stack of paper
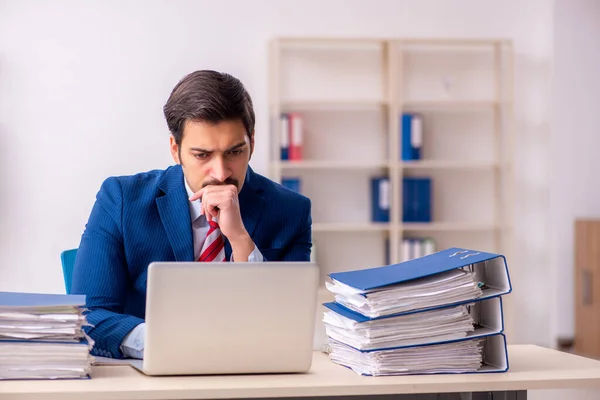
(435, 314)
(403, 330)
(443, 288)
(453, 357)
(42, 337)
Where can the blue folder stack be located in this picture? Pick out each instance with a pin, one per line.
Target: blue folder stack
(41, 337)
(441, 313)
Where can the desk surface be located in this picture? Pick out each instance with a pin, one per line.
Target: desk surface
(531, 367)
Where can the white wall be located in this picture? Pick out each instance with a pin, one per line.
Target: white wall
(82, 85)
(576, 140)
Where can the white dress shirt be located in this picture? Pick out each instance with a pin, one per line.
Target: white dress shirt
(133, 344)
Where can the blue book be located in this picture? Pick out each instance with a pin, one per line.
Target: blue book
(411, 136)
(416, 199)
(284, 126)
(423, 189)
(292, 183)
(406, 149)
(380, 199)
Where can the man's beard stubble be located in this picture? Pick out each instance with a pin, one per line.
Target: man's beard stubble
(228, 181)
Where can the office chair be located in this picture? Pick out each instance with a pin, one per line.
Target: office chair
(67, 259)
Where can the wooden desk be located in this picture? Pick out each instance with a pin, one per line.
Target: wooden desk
(531, 367)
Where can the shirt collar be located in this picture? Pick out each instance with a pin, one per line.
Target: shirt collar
(194, 205)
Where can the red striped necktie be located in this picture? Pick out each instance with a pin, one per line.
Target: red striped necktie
(213, 249)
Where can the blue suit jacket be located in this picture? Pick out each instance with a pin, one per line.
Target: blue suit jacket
(144, 218)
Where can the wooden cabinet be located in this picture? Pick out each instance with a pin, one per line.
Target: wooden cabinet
(587, 287)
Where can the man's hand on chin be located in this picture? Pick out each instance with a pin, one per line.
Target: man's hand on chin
(222, 201)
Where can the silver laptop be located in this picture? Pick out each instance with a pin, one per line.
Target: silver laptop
(229, 318)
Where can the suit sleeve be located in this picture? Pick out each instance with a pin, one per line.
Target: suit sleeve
(101, 273)
(300, 248)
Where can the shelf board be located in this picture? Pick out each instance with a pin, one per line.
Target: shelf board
(446, 43)
(407, 227)
(350, 227)
(448, 227)
(332, 165)
(331, 104)
(327, 42)
(450, 105)
(448, 164)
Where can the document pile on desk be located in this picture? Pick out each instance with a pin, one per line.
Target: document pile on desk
(42, 337)
(441, 313)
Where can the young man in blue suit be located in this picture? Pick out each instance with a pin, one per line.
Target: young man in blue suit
(209, 206)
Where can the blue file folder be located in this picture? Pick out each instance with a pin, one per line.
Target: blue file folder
(487, 315)
(416, 199)
(284, 122)
(292, 183)
(488, 267)
(495, 354)
(412, 136)
(32, 300)
(380, 199)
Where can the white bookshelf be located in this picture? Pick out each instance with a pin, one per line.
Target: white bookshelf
(351, 94)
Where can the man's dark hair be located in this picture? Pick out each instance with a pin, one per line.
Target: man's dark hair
(208, 96)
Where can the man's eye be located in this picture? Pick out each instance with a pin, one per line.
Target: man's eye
(201, 156)
(236, 152)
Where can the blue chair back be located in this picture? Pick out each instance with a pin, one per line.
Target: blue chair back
(67, 258)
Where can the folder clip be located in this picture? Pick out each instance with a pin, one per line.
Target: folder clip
(469, 255)
(458, 252)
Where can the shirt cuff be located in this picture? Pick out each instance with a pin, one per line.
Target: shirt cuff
(255, 256)
(133, 344)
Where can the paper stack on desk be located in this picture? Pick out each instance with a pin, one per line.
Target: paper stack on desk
(441, 313)
(41, 336)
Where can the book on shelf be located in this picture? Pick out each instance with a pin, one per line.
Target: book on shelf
(416, 199)
(411, 135)
(292, 136)
(284, 139)
(417, 247)
(380, 199)
(293, 183)
(440, 313)
(42, 336)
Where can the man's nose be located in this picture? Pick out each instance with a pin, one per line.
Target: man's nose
(220, 171)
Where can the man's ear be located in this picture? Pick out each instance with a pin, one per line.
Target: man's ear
(174, 147)
(251, 146)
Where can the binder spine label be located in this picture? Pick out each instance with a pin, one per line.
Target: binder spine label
(384, 194)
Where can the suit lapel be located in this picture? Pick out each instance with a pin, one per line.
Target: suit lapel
(252, 206)
(174, 213)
